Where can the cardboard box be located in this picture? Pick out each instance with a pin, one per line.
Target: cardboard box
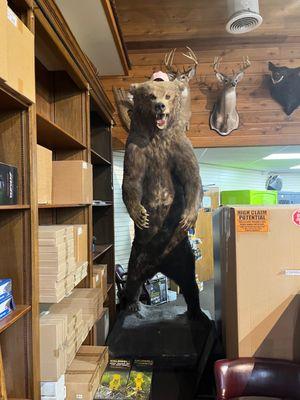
(72, 182)
(100, 277)
(204, 234)
(3, 47)
(80, 243)
(211, 198)
(53, 336)
(8, 184)
(44, 175)
(257, 280)
(84, 373)
(20, 57)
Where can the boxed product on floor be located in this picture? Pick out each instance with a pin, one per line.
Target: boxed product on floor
(257, 280)
(100, 277)
(44, 175)
(140, 379)
(84, 373)
(19, 55)
(54, 390)
(53, 338)
(72, 182)
(114, 381)
(81, 243)
(8, 184)
(102, 327)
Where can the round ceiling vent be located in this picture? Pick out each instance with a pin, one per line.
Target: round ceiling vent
(243, 16)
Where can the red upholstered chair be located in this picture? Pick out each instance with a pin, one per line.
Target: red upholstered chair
(257, 377)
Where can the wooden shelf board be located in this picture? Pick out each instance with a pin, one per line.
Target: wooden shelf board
(97, 159)
(15, 207)
(54, 137)
(10, 101)
(62, 205)
(101, 249)
(18, 313)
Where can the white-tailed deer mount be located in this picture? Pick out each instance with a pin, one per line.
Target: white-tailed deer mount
(183, 76)
(224, 118)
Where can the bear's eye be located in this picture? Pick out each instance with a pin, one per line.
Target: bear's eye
(168, 96)
(152, 97)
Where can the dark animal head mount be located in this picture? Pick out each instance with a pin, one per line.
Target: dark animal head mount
(285, 87)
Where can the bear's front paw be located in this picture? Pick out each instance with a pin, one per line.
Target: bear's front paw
(134, 307)
(188, 221)
(140, 217)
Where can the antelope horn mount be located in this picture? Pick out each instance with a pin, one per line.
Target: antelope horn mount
(224, 118)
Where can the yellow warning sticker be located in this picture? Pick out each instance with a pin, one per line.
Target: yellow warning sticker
(252, 220)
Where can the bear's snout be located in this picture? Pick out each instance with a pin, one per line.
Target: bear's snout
(160, 107)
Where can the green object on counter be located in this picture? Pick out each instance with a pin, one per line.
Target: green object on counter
(251, 197)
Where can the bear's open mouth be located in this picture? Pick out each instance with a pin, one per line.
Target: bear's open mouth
(161, 120)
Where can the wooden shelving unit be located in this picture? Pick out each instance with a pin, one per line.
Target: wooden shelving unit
(18, 313)
(103, 216)
(68, 94)
(49, 206)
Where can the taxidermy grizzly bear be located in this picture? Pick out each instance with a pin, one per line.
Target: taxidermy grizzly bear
(162, 192)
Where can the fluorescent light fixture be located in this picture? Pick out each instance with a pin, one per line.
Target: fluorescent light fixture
(295, 167)
(283, 156)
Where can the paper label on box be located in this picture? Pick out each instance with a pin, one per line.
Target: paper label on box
(296, 217)
(84, 165)
(11, 16)
(256, 221)
(79, 231)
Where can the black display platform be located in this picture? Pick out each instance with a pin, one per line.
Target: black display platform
(163, 334)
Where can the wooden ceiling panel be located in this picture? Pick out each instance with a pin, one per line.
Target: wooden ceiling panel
(150, 24)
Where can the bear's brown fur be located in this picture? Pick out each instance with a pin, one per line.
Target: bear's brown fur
(162, 191)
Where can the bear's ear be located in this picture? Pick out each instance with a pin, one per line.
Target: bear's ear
(271, 66)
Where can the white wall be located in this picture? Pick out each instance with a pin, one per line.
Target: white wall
(224, 178)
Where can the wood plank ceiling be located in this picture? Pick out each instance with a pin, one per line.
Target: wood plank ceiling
(150, 27)
(173, 23)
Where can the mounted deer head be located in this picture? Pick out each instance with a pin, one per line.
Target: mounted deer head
(183, 76)
(224, 117)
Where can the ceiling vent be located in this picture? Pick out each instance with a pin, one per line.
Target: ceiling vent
(243, 16)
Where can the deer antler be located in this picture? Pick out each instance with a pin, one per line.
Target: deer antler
(169, 57)
(191, 55)
(244, 64)
(216, 64)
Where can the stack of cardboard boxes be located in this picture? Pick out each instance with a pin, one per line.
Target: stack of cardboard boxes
(64, 327)
(63, 260)
(57, 262)
(84, 374)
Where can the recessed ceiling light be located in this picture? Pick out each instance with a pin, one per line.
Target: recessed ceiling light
(295, 167)
(283, 156)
